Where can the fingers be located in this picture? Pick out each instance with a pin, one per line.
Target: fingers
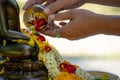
(75, 5)
(54, 7)
(31, 2)
(61, 32)
(62, 16)
(52, 32)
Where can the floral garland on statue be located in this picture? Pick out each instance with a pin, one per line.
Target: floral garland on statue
(58, 68)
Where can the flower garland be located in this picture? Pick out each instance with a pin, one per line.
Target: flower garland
(58, 68)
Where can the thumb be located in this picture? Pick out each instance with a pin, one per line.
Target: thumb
(55, 7)
(61, 16)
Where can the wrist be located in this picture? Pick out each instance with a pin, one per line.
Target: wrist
(108, 24)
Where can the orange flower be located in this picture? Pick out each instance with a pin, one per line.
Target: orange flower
(67, 76)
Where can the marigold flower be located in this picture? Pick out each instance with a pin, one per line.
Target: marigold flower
(67, 76)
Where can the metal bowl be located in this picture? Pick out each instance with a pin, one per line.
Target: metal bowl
(35, 18)
(99, 75)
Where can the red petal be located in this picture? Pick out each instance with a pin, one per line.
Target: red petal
(47, 48)
(39, 23)
(63, 65)
(42, 38)
(71, 69)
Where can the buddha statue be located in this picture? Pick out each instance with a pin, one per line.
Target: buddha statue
(20, 59)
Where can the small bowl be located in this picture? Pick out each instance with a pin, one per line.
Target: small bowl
(99, 75)
(35, 19)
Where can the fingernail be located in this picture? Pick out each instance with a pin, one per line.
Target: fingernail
(52, 16)
(47, 11)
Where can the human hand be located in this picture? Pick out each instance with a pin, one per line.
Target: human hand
(59, 5)
(53, 6)
(83, 23)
